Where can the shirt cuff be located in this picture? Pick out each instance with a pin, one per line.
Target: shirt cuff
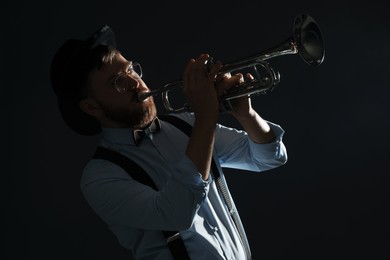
(187, 174)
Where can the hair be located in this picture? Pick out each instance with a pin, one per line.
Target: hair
(100, 55)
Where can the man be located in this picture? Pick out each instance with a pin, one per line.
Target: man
(97, 90)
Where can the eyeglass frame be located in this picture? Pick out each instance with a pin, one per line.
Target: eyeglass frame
(133, 73)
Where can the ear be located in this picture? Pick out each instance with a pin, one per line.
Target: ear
(90, 106)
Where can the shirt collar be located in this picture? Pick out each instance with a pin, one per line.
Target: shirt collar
(125, 135)
(118, 135)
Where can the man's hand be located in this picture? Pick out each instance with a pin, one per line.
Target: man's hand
(241, 107)
(199, 87)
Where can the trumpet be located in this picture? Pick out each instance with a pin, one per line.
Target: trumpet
(306, 40)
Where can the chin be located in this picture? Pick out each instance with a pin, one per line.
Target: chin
(147, 113)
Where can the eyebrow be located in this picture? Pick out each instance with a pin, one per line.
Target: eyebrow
(113, 76)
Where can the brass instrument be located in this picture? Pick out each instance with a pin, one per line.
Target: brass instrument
(306, 40)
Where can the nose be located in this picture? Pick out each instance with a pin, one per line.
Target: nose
(133, 83)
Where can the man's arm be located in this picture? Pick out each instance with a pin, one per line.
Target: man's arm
(201, 94)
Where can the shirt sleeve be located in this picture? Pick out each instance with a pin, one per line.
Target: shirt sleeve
(120, 200)
(236, 150)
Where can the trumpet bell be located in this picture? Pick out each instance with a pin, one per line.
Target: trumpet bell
(308, 39)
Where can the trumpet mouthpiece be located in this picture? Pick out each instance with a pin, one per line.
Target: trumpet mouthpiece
(142, 96)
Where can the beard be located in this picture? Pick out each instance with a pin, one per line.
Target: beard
(139, 116)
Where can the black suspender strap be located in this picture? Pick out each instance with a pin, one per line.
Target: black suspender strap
(136, 172)
(174, 241)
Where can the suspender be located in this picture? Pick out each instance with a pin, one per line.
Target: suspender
(175, 242)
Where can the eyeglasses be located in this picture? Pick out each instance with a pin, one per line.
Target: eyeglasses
(121, 82)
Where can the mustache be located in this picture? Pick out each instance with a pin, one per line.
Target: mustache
(139, 95)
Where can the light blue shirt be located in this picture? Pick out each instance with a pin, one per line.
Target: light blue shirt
(136, 213)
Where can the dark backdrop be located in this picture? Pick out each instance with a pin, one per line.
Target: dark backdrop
(330, 201)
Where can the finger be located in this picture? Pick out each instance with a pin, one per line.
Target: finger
(227, 75)
(234, 81)
(240, 78)
(249, 76)
(222, 76)
(187, 75)
(214, 72)
(200, 65)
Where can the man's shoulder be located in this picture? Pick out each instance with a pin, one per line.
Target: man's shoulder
(100, 169)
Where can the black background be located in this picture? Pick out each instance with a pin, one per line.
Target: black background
(330, 201)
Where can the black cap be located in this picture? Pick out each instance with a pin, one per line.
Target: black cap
(67, 72)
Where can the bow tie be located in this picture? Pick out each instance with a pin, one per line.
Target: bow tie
(139, 134)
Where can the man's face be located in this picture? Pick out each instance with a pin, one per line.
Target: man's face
(120, 109)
